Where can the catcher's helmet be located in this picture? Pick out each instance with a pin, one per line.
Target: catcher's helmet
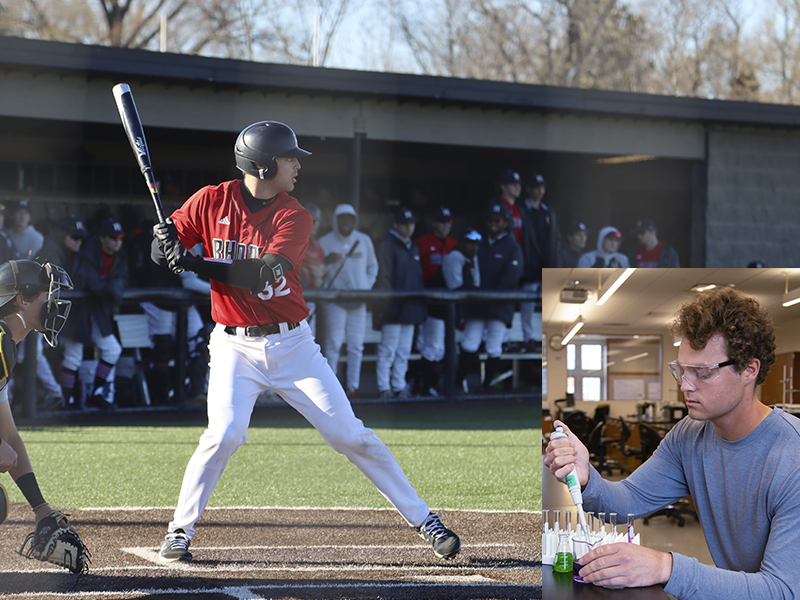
(27, 276)
(260, 143)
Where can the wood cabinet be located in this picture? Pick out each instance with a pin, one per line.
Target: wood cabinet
(782, 385)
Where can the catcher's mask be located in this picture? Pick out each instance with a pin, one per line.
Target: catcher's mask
(27, 276)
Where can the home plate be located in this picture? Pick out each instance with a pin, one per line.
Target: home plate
(153, 556)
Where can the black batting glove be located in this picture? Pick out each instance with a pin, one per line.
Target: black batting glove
(179, 258)
(165, 232)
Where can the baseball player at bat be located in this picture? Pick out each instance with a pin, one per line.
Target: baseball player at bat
(256, 236)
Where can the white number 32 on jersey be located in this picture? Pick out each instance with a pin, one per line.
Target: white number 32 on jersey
(276, 290)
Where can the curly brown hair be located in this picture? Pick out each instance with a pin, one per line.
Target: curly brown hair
(746, 327)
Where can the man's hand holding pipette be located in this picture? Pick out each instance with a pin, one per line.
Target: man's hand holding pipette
(561, 455)
(626, 565)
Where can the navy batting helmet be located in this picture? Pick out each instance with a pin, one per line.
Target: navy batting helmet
(259, 144)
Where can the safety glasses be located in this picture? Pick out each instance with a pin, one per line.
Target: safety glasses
(696, 373)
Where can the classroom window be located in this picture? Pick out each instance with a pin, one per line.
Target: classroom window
(601, 367)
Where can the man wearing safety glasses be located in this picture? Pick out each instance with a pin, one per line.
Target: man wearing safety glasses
(738, 458)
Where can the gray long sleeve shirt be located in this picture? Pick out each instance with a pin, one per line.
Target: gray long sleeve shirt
(747, 495)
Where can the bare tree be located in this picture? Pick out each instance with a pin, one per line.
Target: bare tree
(704, 48)
(250, 29)
(700, 49)
(778, 52)
(586, 43)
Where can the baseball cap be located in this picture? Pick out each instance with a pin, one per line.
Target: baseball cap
(499, 209)
(404, 216)
(575, 228)
(645, 225)
(470, 235)
(73, 226)
(443, 215)
(535, 180)
(14, 206)
(510, 176)
(111, 228)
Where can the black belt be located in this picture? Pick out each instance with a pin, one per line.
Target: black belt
(260, 330)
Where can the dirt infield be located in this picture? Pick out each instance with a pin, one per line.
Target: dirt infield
(281, 553)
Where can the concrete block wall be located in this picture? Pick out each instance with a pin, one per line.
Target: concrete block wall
(753, 198)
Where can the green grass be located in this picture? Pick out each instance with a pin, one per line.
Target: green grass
(472, 458)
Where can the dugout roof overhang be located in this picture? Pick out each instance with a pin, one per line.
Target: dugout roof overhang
(72, 82)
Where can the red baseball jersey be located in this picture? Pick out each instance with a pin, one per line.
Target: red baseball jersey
(648, 258)
(313, 270)
(516, 221)
(217, 217)
(432, 251)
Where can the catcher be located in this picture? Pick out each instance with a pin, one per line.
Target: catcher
(30, 300)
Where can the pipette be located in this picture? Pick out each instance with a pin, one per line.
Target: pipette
(573, 485)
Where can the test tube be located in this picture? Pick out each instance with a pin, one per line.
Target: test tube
(630, 528)
(545, 518)
(612, 517)
(568, 520)
(557, 514)
(602, 526)
(591, 522)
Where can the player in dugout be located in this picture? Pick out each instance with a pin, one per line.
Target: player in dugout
(736, 457)
(256, 235)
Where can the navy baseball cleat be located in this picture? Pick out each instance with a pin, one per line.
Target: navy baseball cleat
(175, 547)
(446, 544)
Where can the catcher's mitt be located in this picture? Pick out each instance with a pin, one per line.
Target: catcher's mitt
(59, 545)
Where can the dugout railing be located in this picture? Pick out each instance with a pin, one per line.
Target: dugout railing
(181, 299)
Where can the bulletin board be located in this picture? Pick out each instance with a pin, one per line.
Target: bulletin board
(625, 387)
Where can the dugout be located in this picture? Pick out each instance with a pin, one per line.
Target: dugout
(719, 177)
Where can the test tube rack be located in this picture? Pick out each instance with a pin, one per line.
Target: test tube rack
(550, 540)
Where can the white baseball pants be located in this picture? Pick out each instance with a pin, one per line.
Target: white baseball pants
(109, 346)
(474, 331)
(164, 322)
(430, 339)
(346, 325)
(43, 371)
(289, 363)
(393, 352)
(529, 329)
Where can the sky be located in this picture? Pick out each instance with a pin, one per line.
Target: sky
(364, 37)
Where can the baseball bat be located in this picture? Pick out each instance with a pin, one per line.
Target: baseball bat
(341, 266)
(135, 132)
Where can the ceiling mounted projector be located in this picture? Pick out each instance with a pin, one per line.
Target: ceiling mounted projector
(574, 295)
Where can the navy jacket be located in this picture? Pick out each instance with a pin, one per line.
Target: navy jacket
(501, 268)
(103, 293)
(538, 254)
(398, 269)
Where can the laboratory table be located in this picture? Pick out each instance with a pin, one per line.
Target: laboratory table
(560, 586)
